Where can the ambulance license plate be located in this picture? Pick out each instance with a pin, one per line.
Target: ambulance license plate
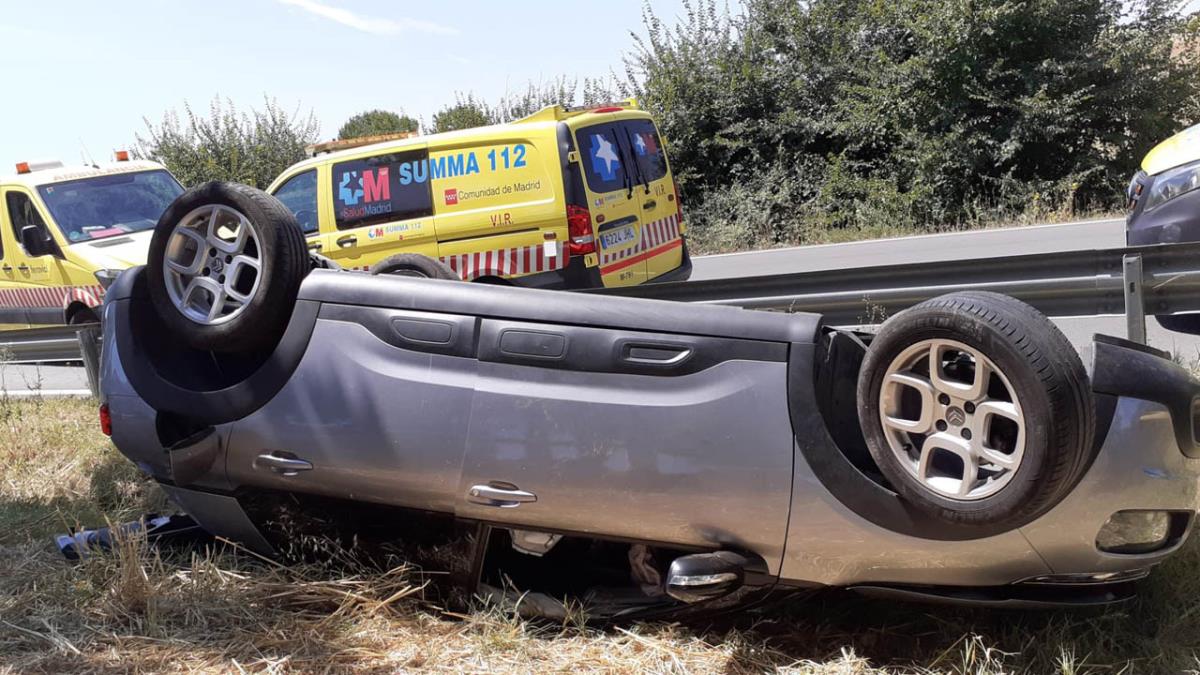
(617, 237)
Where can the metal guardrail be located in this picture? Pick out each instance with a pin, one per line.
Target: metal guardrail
(1154, 280)
(1147, 280)
(41, 345)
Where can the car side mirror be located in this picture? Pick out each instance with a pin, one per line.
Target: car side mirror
(706, 576)
(37, 241)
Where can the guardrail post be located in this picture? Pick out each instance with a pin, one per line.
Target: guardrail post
(89, 349)
(1135, 302)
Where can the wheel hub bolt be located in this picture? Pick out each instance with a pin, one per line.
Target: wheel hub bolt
(969, 407)
(943, 399)
(941, 425)
(966, 433)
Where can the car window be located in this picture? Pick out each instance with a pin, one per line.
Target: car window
(601, 149)
(647, 148)
(21, 213)
(382, 189)
(299, 195)
(99, 207)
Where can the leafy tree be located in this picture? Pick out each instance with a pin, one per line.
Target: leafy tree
(251, 148)
(922, 113)
(376, 122)
(466, 113)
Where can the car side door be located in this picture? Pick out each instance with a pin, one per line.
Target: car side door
(300, 193)
(12, 300)
(33, 268)
(613, 202)
(673, 439)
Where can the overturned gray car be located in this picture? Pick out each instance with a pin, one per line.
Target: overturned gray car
(639, 456)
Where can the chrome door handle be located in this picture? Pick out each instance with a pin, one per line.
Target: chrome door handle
(347, 241)
(285, 466)
(503, 497)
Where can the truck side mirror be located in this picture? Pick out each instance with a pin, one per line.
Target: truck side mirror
(37, 241)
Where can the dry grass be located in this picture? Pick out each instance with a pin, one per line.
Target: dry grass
(138, 609)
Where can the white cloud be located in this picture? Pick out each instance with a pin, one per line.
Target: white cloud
(369, 24)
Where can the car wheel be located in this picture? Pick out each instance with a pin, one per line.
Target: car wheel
(976, 409)
(224, 267)
(414, 265)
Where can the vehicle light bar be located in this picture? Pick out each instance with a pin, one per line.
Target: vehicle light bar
(30, 167)
(121, 155)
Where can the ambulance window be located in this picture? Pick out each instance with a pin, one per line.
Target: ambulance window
(382, 189)
(22, 212)
(646, 146)
(299, 195)
(601, 149)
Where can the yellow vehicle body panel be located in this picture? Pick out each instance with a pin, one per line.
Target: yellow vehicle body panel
(489, 202)
(1180, 149)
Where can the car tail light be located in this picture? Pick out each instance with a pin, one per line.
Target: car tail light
(105, 420)
(579, 230)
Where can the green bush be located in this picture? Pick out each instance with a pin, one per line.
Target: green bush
(375, 123)
(251, 148)
(912, 114)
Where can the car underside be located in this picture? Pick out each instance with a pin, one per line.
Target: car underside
(563, 452)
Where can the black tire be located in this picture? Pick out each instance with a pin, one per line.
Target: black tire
(414, 265)
(282, 255)
(1044, 374)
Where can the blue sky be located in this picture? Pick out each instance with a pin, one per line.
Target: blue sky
(86, 73)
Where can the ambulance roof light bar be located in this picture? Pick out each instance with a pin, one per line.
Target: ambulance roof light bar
(333, 146)
(42, 165)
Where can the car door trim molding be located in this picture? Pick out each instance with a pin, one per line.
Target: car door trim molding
(604, 350)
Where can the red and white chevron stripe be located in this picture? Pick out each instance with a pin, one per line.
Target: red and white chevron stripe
(51, 296)
(659, 232)
(506, 262)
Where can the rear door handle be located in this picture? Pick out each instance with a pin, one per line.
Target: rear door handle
(7, 268)
(285, 466)
(649, 205)
(23, 267)
(349, 240)
(314, 246)
(654, 354)
(502, 497)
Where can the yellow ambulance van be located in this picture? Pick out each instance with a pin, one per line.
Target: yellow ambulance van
(65, 233)
(564, 198)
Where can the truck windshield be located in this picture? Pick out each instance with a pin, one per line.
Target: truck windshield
(107, 206)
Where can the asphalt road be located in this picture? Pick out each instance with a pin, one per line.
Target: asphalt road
(43, 380)
(1088, 234)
